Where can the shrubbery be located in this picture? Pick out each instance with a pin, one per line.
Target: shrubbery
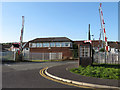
(102, 50)
(99, 72)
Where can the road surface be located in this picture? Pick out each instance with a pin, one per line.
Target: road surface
(26, 75)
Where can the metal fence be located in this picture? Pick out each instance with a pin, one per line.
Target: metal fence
(111, 58)
(7, 56)
(42, 56)
(31, 56)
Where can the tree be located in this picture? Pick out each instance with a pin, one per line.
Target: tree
(102, 50)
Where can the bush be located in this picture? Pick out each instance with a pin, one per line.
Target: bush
(99, 72)
(102, 50)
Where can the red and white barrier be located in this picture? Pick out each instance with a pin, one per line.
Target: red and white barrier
(103, 26)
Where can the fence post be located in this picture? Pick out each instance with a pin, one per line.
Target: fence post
(43, 56)
(105, 57)
(112, 58)
(79, 55)
(118, 58)
(98, 57)
(14, 55)
(50, 56)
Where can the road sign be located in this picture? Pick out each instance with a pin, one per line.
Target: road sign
(87, 41)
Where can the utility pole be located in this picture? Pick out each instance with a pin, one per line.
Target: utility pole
(89, 33)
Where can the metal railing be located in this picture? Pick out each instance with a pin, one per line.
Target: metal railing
(7, 55)
(42, 56)
(31, 56)
(111, 58)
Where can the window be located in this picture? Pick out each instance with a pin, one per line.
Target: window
(84, 51)
(63, 44)
(45, 44)
(71, 44)
(30, 45)
(58, 44)
(52, 44)
(67, 44)
(38, 45)
(81, 51)
(33, 44)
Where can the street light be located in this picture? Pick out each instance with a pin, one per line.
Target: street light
(92, 36)
(93, 40)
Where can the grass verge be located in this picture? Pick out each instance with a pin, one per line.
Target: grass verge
(98, 71)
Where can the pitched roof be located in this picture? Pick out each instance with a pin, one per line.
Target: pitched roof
(6, 46)
(95, 43)
(114, 44)
(52, 39)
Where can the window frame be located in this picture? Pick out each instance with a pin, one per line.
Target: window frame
(51, 44)
(57, 45)
(33, 45)
(46, 44)
(68, 44)
(40, 44)
(37, 45)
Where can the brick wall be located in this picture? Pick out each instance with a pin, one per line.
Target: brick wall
(66, 52)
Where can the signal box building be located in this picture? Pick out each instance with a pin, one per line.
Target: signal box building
(51, 45)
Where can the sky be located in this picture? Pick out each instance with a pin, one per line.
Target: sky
(57, 19)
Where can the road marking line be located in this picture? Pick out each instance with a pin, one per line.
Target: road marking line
(7, 65)
(66, 83)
